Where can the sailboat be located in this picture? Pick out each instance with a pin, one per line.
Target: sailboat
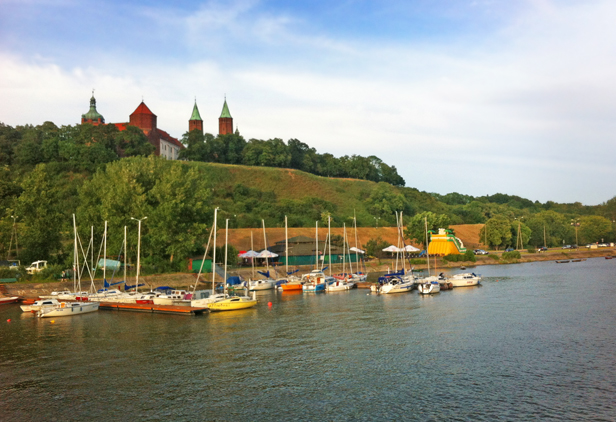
(397, 282)
(266, 283)
(430, 284)
(232, 303)
(204, 298)
(315, 281)
(69, 308)
(342, 281)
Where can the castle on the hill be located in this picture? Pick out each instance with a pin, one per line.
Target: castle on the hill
(143, 118)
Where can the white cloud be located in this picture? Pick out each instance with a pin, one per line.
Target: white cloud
(525, 112)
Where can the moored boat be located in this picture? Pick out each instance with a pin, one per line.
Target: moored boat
(9, 299)
(39, 304)
(465, 279)
(233, 303)
(429, 285)
(68, 309)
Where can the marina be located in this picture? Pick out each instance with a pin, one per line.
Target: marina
(515, 347)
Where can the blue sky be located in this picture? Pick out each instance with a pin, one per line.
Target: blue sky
(515, 97)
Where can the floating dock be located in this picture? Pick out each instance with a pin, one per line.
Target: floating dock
(157, 309)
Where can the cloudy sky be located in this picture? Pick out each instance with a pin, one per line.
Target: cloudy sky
(476, 97)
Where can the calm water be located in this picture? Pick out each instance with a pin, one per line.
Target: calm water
(535, 342)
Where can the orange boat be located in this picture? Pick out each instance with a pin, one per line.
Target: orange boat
(290, 287)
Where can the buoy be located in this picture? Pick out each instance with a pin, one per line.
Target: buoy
(8, 320)
(53, 321)
(269, 304)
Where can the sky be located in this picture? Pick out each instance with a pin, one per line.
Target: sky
(477, 97)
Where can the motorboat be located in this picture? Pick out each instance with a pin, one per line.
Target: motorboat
(293, 284)
(396, 285)
(173, 297)
(204, 298)
(39, 304)
(429, 285)
(465, 279)
(261, 284)
(54, 295)
(316, 281)
(67, 309)
(340, 283)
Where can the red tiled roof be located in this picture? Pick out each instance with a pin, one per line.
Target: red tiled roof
(120, 126)
(143, 109)
(165, 136)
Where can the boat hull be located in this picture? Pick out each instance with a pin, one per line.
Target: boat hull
(232, 304)
(5, 300)
(69, 309)
(429, 288)
(291, 287)
(464, 281)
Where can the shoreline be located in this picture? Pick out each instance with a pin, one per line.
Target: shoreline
(185, 280)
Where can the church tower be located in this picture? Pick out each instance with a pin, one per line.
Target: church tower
(225, 121)
(195, 121)
(93, 117)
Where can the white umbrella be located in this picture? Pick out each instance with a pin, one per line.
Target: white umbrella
(249, 254)
(391, 248)
(411, 248)
(267, 254)
(354, 249)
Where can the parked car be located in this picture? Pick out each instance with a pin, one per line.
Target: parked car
(509, 250)
(603, 245)
(480, 252)
(542, 249)
(567, 247)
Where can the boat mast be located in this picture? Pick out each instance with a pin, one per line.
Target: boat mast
(356, 243)
(214, 254)
(329, 237)
(344, 249)
(316, 250)
(104, 255)
(401, 231)
(427, 244)
(286, 246)
(75, 258)
(226, 243)
(265, 247)
(252, 258)
(125, 251)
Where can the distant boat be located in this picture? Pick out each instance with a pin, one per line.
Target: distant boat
(11, 299)
(465, 279)
(562, 261)
(429, 285)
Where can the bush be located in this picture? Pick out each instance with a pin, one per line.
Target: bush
(468, 256)
(494, 257)
(531, 249)
(418, 261)
(512, 255)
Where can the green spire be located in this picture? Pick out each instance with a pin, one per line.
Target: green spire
(195, 113)
(225, 110)
(92, 114)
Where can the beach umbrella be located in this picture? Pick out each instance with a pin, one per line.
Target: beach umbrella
(250, 254)
(267, 254)
(391, 248)
(411, 248)
(354, 249)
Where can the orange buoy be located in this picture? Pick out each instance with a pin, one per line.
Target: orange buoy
(8, 320)
(53, 321)
(269, 304)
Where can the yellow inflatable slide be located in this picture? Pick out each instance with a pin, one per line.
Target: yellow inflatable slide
(445, 243)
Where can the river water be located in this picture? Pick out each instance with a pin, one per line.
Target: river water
(535, 342)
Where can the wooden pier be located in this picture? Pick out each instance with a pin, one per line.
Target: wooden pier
(160, 309)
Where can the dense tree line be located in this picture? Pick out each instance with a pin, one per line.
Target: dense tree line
(47, 173)
(233, 149)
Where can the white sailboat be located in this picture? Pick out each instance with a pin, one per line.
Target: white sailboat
(266, 283)
(342, 282)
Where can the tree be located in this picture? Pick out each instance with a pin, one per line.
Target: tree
(498, 231)
(133, 142)
(416, 226)
(375, 247)
(525, 233)
(549, 227)
(594, 229)
(173, 196)
(195, 150)
(384, 201)
(38, 208)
